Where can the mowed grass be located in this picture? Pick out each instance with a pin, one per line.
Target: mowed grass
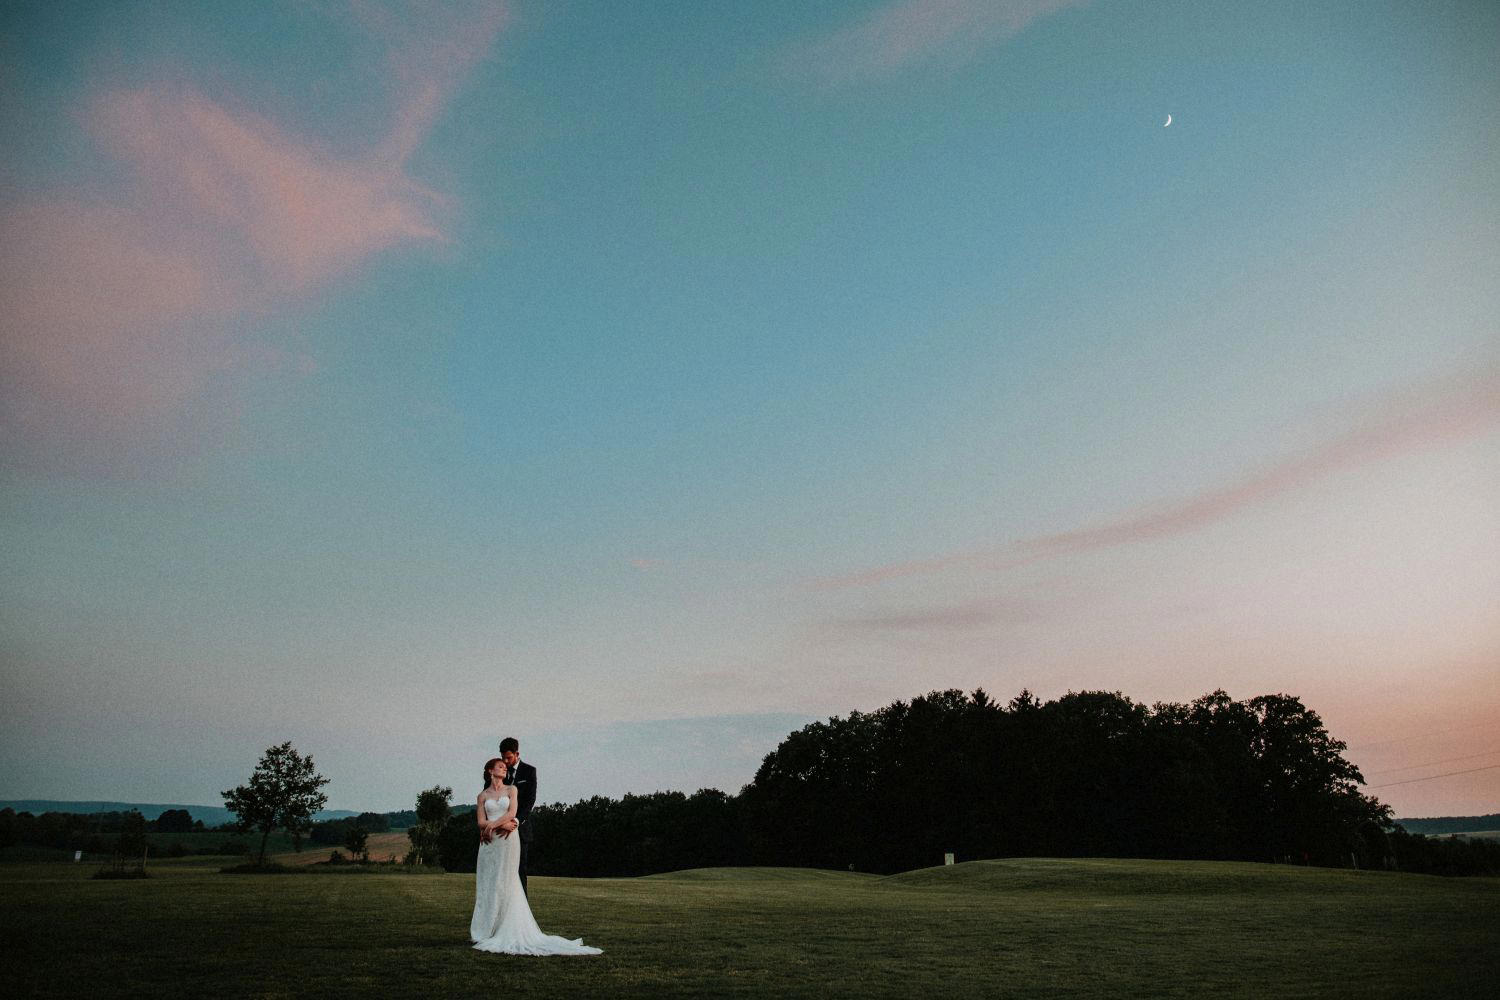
(1014, 928)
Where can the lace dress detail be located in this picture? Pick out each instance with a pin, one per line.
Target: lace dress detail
(502, 920)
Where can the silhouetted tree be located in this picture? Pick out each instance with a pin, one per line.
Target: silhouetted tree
(174, 821)
(373, 822)
(283, 792)
(357, 842)
(432, 812)
(458, 843)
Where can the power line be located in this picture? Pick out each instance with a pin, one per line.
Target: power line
(1408, 781)
(1417, 736)
(1434, 763)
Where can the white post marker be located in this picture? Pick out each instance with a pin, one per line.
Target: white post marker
(77, 855)
(948, 858)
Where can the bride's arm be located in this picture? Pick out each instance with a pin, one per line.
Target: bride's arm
(486, 828)
(501, 826)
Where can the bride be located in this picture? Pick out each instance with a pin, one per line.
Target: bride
(502, 920)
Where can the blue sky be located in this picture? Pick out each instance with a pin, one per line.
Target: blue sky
(644, 380)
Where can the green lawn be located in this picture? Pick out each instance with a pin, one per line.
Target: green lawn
(1023, 928)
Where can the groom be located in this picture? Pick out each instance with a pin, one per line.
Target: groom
(523, 777)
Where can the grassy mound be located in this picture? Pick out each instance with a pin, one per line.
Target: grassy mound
(1112, 876)
(742, 875)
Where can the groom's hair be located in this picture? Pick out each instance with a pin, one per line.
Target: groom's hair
(510, 743)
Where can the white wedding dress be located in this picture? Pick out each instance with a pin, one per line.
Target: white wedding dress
(502, 919)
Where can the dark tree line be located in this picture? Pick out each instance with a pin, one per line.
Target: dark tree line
(97, 833)
(639, 834)
(1088, 774)
(338, 831)
(92, 833)
(1452, 824)
(604, 837)
(400, 819)
(1445, 855)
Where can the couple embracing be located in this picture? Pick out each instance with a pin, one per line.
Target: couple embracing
(502, 920)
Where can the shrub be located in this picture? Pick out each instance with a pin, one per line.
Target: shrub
(458, 844)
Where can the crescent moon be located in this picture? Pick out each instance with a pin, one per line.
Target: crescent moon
(1169, 121)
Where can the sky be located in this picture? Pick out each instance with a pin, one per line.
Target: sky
(648, 380)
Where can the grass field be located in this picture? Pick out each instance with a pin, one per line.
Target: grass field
(1023, 928)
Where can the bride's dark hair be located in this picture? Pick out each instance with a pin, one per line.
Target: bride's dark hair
(487, 765)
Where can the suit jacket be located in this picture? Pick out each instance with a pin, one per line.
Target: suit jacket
(523, 778)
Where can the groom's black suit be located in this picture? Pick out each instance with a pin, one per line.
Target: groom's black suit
(523, 778)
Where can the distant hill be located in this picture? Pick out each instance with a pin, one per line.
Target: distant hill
(1451, 824)
(210, 815)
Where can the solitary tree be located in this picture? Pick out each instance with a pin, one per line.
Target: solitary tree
(283, 792)
(357, 840)
(432, 813)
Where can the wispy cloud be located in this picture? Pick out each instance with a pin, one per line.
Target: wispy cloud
(1411, 419)
(120, 301)
(954, 618)
(287, 215)
(431, 49)
(913, 31)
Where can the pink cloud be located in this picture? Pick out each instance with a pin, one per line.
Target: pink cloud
(1412, 419)
(910, 31)
(956, 618)
(109, 322)
(295, 215)
(119, 303)
(430, 49)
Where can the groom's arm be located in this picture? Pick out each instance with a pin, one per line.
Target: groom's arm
(528, 798)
